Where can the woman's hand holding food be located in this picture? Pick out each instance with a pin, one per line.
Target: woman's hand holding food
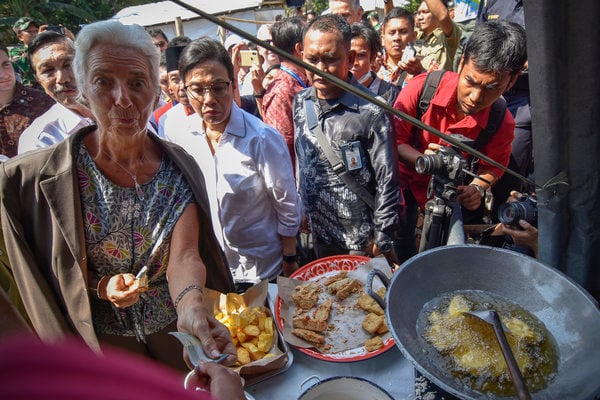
(121, 290)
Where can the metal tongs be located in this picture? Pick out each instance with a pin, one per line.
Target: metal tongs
(194, 349)
(491, 317)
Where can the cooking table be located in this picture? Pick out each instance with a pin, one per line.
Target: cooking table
(390, 370)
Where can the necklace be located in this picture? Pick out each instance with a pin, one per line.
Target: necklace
(138, 188)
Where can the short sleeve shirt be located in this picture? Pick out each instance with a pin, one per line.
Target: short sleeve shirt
(437, 49)
(15, 117)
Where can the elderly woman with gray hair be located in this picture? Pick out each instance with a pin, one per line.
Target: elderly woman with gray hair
(82, 218)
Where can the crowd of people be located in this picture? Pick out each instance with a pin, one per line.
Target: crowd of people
(181, 163)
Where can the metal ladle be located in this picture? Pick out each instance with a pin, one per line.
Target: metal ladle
(491, 317)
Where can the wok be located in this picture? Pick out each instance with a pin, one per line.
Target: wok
(569, 313)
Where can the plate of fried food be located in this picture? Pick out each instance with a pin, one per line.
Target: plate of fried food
(323, 310)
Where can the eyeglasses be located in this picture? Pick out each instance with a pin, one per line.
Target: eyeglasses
(217, 89)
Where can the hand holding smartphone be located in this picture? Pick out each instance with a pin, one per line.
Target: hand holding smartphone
(248, 57)
(408, 53)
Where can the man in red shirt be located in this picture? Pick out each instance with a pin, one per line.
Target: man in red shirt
(491, 63)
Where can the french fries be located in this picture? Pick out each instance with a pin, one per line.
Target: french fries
(252, 332)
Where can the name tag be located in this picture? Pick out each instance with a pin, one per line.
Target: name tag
(352, 153)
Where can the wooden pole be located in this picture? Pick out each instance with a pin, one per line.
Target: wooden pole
(178, 26)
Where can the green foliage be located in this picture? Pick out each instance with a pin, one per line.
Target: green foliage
(413, 5)
(319, 5)
(70, 13)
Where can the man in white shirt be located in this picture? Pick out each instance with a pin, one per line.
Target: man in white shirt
(176, 117)
(50, 55)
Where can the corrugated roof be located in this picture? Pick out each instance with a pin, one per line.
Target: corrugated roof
(166, 11)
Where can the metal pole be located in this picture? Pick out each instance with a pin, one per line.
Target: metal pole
(355, 90)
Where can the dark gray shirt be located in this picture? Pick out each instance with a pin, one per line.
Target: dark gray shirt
(336, 214)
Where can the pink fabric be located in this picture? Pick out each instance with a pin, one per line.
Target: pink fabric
(70, 370)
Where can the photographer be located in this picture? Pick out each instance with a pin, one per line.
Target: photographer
(462, 103)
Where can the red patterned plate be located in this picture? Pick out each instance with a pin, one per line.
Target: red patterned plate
(324, 267)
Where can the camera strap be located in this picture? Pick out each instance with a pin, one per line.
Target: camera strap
(337, 164)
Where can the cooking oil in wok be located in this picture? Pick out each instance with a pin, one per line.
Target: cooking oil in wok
(468, 348)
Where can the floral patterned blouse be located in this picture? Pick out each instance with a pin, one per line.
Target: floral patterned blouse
(125, 230)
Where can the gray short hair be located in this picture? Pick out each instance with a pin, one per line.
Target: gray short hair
(115, 33)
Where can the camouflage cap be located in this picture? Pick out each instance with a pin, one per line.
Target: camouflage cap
(23, 23)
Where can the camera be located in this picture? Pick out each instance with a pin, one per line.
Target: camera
(523, 209)
(447, 162)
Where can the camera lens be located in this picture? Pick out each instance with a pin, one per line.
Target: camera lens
(510, 213)
(524, 209)
(429, 164)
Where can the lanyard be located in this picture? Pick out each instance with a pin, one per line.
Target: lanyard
(294, 75)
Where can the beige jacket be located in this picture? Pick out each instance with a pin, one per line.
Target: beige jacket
(43, 227)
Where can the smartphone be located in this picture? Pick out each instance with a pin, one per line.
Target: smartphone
(408, 53)
(56, 28)
(248, 57)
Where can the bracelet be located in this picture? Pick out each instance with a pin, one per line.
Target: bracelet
(184, 292)
(259, 95)
(101, 287)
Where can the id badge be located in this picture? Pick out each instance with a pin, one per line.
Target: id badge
(352, 155)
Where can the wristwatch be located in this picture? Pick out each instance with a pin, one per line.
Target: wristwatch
(290, 258)
(479, 188)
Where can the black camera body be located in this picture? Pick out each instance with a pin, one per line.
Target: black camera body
(446, 162)
(523, 209)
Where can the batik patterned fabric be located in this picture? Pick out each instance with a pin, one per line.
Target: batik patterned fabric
(15, 117)
(337, 215)
(125, 231)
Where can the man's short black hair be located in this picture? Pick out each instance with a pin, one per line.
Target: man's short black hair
(368, 33)
(154, 32)
(331, 23)
(287, 33)
(179, 41)
(497, 46)
(399, 12)
(44, 39)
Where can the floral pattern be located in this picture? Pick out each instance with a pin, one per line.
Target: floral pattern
(124, 233)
